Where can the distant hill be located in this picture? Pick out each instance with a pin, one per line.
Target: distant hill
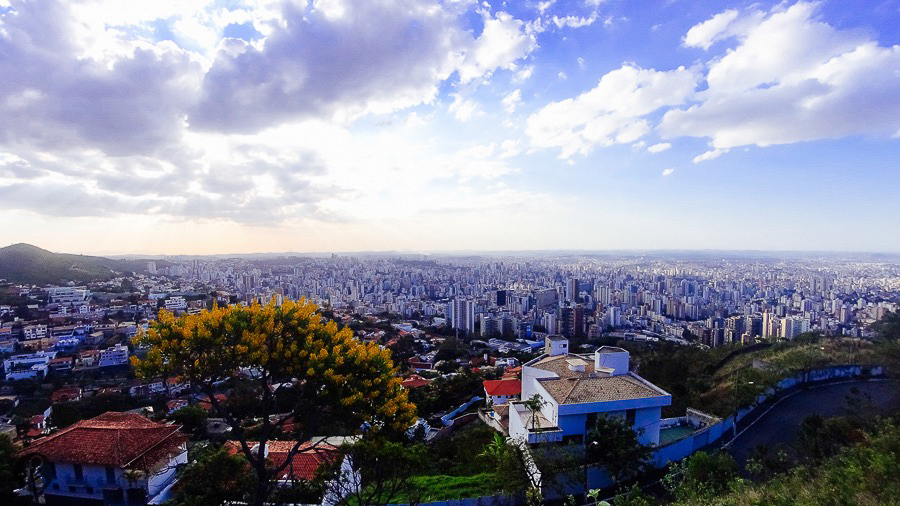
(24, 263)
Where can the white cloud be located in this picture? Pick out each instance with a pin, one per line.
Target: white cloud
(668, 172)
(611, 113)
(523, 74)
(706, 33)
(793, 78)
(561, 76)
(574, 21)
(462, 108)
(503, 41)
(512, 101)
(659, 148)
(709, 155)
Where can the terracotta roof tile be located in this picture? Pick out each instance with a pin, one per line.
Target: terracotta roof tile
(600, 389)
(503, 387)
(111, 439)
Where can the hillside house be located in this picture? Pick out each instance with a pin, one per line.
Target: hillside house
(577, 388)
(111, 459)
(502, 391)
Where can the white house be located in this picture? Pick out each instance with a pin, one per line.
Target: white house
(114, 458)
(576, 388)
(116, 355)
(28, 365)
(176, 303)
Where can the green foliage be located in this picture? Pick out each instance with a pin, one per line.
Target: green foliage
(24, 263)
(446, 488)
(819, 438)
(384, 468)
(633, 497)
(213, 477)
(457, 454)
(867, 473)
(763, 462)
(701, 477)
(445, 393)
(533, 405)
(192, 420)
(8, 479)
(511, 472)
(613, 445)
(888, 328)
(67, 413)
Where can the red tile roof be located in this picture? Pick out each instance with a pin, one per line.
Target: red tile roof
(66, 394)
(112, 439)
(305, 463)
(414, 381)
(503, 387)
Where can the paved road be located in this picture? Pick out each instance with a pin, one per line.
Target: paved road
(779, 426)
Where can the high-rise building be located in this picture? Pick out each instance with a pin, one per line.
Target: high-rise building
(572, 289)
(462, 315)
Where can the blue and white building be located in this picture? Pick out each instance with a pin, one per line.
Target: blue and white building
(574, 389)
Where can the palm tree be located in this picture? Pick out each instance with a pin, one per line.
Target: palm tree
(534, 405)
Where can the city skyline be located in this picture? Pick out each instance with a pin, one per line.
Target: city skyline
(244, 127)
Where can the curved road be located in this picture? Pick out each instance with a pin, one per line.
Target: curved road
(778, 427)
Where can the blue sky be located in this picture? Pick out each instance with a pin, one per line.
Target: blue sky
(330, 125)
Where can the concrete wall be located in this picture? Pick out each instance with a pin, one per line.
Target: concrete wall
(529, 374)
(164, 475)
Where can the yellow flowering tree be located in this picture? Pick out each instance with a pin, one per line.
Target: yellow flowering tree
(328, 373)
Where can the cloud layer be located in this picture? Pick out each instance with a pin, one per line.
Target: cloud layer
(331, 111)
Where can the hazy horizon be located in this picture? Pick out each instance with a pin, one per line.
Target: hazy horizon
(487, 252)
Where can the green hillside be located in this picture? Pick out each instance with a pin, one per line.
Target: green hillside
(24, 263)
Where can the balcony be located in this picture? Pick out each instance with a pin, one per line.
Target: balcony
(538, 428)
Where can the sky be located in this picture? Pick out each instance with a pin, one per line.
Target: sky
(200, 127)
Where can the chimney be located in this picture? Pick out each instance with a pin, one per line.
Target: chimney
(611, 357)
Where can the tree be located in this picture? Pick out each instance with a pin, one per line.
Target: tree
(375, 471)
(8, 479)
(614, 445)
(888, 327)
(701, 477)
(333, 377)
(214, 476)
(534, 405)
(192, 420)
(511, 469)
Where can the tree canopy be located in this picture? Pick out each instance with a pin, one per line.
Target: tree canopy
(614, 445)
(330, 376)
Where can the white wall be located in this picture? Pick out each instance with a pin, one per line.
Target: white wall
(162, 477)
(529, 377)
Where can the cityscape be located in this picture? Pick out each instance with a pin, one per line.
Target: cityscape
(474, 337)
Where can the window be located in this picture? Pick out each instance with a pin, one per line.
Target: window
(51, 469)
(629, 417)
(79, 473)
(110, 474)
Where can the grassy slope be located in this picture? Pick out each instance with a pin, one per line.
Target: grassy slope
(24, 263)
(865, 474)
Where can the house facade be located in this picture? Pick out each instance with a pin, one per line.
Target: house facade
(502, 391)
(114, 459)
(574, 389)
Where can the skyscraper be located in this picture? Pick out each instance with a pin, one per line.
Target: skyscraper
(462, 315)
